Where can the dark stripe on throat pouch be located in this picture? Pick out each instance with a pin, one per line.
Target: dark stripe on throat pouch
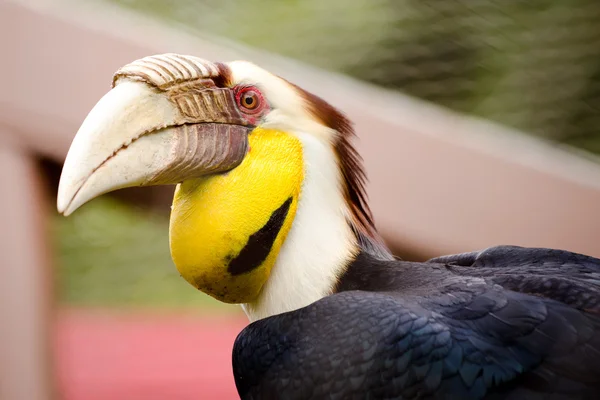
(259, 244)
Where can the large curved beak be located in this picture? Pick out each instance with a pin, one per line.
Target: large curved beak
(139, 134)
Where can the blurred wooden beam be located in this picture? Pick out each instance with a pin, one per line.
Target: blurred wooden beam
(25, 284)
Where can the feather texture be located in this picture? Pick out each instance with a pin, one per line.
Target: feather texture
(457, 327)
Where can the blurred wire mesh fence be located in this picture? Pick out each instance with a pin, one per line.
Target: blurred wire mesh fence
(530, 64)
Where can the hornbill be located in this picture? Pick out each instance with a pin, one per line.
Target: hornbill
(270, 212)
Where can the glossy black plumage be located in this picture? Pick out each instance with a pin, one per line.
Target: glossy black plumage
(505, 323)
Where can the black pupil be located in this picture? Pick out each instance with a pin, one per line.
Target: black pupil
(249, 100)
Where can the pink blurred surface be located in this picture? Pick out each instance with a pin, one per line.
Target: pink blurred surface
(145, 356)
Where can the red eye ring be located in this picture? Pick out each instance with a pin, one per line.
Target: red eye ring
(249, 99)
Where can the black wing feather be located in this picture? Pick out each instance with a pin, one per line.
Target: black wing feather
(568, 277)
(473, 334)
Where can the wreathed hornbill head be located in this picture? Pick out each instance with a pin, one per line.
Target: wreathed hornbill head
(270, 201)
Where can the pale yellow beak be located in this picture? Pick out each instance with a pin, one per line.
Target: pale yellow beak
(138, 134)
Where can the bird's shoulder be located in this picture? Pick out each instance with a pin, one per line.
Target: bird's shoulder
(468, 338)
(568, 277)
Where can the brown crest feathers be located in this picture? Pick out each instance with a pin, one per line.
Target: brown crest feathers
(353, 174)
(224, 77)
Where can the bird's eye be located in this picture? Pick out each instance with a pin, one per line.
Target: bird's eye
(249, 100)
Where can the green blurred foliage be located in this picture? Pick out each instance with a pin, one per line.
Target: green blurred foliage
(110, 254)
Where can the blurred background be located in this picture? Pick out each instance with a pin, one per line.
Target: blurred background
(479, 123)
